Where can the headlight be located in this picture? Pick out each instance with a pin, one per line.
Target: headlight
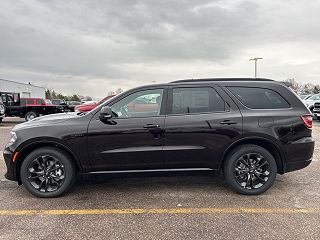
(13, 137)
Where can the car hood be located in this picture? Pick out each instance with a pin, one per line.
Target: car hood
(48, 119)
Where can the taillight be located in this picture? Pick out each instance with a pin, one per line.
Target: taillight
(307, 120)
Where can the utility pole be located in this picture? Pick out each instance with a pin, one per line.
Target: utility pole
(255, 65)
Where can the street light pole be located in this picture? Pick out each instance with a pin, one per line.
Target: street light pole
(255, 65)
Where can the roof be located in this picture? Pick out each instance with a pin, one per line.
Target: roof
(221, 80)
(26, 84)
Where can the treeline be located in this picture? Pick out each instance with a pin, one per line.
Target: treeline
(51, 94)
(303, 88)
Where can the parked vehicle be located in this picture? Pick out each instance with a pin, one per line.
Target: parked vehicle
(28, 108)
(2, 110)
(60, 102)
(310, 101)
(86, 107)
(31, 102)
(316, 110)
(250, 129)
(71, 105)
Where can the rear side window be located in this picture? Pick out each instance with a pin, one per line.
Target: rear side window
(259, 98)
(196, 100)
(40, 102)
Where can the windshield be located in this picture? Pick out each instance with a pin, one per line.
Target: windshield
(314, 97)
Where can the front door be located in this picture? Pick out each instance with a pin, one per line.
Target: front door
(133, 137)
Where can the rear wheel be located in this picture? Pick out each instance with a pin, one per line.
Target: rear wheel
(30, 115)
(48, 172)
(250, 169)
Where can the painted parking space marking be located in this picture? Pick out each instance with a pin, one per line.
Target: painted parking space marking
(162, 211)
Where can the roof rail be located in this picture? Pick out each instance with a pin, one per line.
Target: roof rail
(221, 79)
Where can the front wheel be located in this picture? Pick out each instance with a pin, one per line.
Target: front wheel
(250, 169)
(47, 172)
(30, 115)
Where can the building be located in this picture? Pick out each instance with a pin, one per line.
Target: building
(25, 90)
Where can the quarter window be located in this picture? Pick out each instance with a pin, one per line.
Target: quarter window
(196, 100)
(259, 98)
(145, 103)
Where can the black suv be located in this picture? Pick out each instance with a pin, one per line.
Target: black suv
(250, 129)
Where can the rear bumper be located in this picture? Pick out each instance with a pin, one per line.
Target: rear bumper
(299, 154)
(289, 167)
(11, 173)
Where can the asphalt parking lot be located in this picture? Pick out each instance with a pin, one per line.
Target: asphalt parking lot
(163, 206)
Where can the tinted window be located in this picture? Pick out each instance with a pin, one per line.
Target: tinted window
(39, 101)
(22, 102)
(145, 103)
(196, 100)
(30, 101)
(259, 98)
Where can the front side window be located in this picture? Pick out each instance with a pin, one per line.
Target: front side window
(259, 98)
(196, 100)
(145, 103)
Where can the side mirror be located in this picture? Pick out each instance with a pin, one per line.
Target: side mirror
(105, 113)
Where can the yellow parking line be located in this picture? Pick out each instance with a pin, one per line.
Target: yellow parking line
(163, 211)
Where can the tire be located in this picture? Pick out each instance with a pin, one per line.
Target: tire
(1, 120)
(236, 172)
(30, 115)
(53, 183)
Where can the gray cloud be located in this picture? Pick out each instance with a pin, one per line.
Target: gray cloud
(92, 46)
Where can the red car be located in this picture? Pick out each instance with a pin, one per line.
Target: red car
(28, 102)
(89, 107)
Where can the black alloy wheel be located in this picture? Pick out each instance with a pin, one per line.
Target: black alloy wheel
(48, 172)
(250, 169)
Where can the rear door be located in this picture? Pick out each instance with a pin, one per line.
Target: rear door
(202, 121)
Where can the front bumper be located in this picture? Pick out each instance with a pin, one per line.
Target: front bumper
(11, 169)
(316, 112)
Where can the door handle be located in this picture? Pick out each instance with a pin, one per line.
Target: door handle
(151, 126)
(228, 122)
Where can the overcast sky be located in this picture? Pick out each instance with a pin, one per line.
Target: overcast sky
(94, 46)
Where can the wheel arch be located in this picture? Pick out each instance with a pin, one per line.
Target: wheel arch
(26, 150)
(262, 142)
